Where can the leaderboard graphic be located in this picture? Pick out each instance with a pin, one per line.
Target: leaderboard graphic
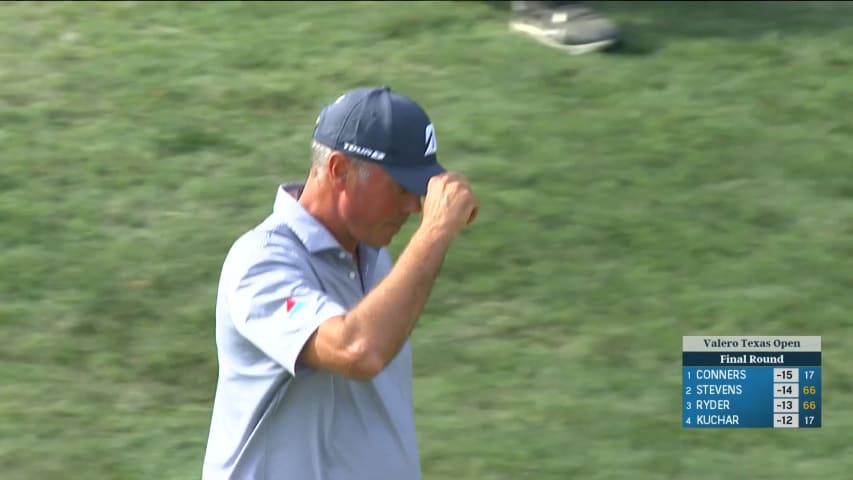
(751, 382)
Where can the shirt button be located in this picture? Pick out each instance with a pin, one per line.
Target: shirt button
(352, 275)
(342, 255)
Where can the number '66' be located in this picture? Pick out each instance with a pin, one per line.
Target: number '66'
(809, 390)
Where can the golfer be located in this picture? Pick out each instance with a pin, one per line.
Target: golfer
(312, 316)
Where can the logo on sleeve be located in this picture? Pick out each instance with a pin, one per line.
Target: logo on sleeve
(292, 306)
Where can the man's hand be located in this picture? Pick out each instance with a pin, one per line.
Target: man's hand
(449, 204)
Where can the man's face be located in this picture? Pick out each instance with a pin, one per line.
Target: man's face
(376, 207)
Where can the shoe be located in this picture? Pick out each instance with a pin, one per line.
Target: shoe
(570, 27)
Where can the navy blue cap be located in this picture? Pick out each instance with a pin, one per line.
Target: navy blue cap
(385, 127)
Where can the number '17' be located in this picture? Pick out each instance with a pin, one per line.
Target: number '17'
(809, 374)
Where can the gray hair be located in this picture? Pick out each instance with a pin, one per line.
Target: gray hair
(320, 158)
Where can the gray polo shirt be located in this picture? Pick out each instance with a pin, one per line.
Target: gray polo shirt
(274, 419)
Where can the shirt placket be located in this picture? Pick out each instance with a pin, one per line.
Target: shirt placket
(354, 274)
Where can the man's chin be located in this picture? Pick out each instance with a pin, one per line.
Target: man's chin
(383, 237)
(380, 242)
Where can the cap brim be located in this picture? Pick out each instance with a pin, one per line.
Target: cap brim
(414, 179)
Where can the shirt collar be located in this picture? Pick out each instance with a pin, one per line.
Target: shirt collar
(310, 232)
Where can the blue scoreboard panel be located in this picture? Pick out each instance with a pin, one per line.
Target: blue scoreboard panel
(751, 382)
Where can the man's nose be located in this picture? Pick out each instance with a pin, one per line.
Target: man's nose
(412, 203)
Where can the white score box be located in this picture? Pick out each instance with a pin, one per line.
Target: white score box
(786, 374)
(786, 420)
(786, 390)
(786, 405)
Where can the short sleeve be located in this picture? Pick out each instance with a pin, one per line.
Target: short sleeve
(277, 304)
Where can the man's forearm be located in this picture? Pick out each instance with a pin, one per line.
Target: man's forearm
(383, 320)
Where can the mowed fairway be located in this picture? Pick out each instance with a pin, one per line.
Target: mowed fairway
(698, 182)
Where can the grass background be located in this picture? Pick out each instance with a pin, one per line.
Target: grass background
(697, 182)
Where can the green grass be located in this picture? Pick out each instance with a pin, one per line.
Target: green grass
(699, 182)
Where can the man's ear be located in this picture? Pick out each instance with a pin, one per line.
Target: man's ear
(338, 169)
